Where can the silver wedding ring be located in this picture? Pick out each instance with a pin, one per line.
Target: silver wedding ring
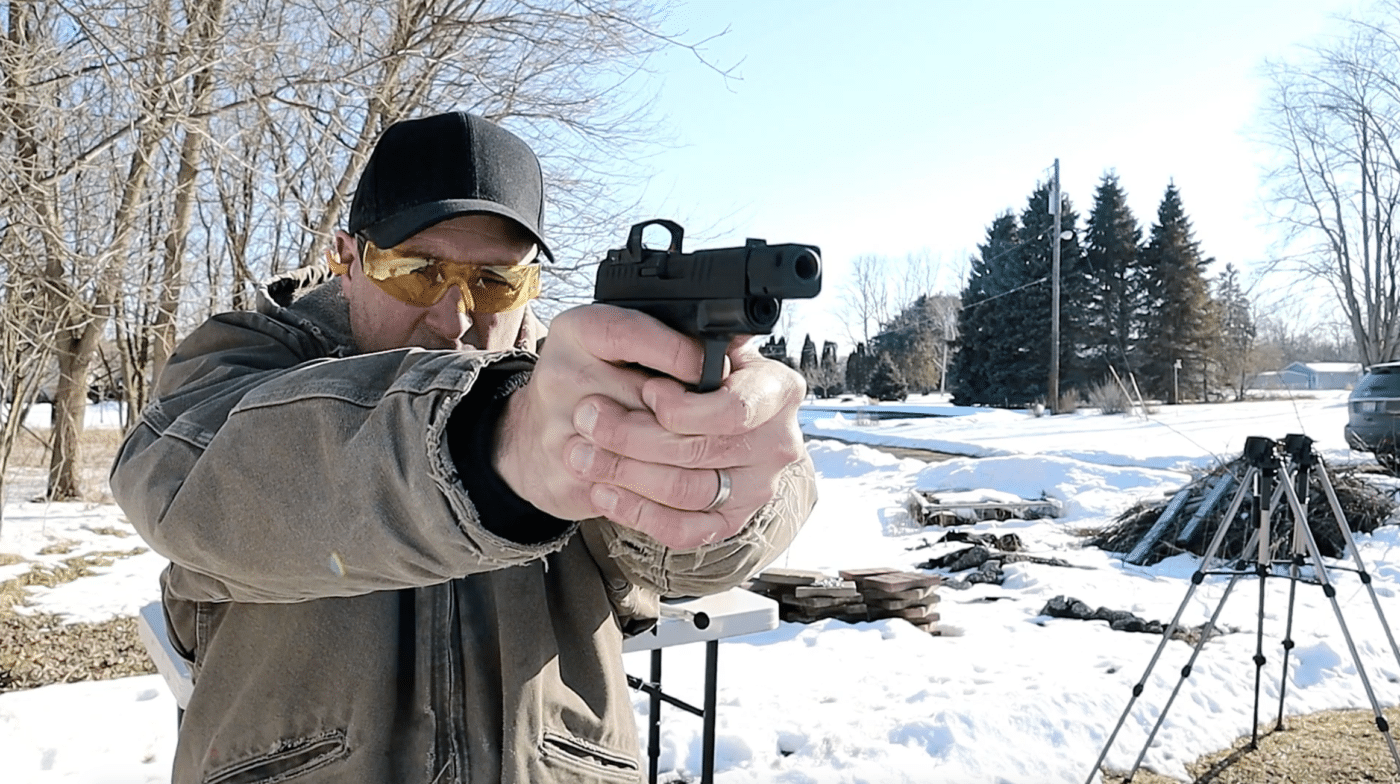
(722, 494)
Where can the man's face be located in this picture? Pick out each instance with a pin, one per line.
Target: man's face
(379, 321)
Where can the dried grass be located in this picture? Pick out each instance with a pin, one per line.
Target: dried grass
(12, 591)
(97, 447)
(1330, 747)
(63, 547)
(38, 650)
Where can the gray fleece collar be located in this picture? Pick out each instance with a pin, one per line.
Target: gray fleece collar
(310, 299)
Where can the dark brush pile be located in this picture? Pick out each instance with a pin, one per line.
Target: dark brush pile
(1364, 506)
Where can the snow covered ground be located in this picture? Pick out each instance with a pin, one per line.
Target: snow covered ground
(1016, 697)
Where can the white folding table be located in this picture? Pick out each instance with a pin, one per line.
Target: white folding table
(707, 619)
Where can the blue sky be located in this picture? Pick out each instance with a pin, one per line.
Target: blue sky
(895, 127)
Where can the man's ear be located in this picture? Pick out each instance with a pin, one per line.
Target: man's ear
(343, 256)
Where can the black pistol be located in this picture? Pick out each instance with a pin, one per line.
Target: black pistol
(713, 295)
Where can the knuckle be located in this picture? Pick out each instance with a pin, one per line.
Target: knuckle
(739, 414)
(609, 433)
(789, 450)
(607, 467)
(694, 486)
(692, 450)
(629, 512)
(580, 375)
(680, 355)
(647, 518)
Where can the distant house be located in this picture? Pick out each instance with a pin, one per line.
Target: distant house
(1311, 375)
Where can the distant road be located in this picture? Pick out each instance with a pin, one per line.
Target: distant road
(883, 411)
(926, 455)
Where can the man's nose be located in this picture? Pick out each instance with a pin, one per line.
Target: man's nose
(448, 317)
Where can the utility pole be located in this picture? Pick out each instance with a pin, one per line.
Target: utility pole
(1054, 402)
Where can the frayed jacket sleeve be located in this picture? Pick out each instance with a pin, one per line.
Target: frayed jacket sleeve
(366, 497)
(638, 568)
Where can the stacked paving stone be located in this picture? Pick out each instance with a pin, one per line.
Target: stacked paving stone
(855, 595)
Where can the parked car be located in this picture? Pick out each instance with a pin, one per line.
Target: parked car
(1373, 414)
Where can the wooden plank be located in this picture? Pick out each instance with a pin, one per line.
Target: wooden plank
(915, 614)
(790, 576)
(821, 601)
(900, 604)
(1222, 486)
(843, 588)
(902, 581)
(913, 593)
(1144, 545)
(860, 574)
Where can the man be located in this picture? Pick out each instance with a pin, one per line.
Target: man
(405, 548)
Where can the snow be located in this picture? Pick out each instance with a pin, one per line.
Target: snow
(1010, 696)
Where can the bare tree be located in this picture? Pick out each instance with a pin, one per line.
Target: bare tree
(160, 158)
(1334, 122)
(864, 299)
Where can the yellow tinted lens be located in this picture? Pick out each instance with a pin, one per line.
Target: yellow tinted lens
(422, 282)
(499, 289)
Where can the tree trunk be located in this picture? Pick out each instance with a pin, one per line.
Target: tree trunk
(69, 406)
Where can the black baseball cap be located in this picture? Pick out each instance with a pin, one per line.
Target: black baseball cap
(426, 170)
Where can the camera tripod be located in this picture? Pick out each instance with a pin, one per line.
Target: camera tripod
(1295, 460)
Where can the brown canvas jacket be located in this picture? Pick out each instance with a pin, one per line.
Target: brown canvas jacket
(346, 615)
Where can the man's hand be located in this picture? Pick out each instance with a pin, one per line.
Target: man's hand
(592, 434)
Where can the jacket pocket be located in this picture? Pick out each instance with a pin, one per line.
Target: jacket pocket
(588, 758)
(291, 758)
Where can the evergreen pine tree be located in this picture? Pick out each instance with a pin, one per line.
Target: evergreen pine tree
(831, 370)
(915, 338)
(1004, 335)
(1237, 331)
(810, 368)
(886, 383)
(808, 362)
(1183, 322)
(976, 375)
(776, 348)
(1076, 289)
(1115, 311)
(858, 369)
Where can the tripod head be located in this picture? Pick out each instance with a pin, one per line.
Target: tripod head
(1260, 453)
(1299, 449)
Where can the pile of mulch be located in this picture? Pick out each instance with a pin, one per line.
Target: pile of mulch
(1364, 506)
(38, 650)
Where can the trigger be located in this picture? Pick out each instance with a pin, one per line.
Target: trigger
(712, 371)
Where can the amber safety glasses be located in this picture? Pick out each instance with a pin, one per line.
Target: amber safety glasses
(422, 282)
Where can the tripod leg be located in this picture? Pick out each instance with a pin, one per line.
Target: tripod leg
(1341, 519)
(1263, 560)
(1288, 643)
(1299, 479)
(1196, 579)
(1330, 592)
(1185, 673)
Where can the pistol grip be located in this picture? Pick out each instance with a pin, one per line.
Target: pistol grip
(712, 371)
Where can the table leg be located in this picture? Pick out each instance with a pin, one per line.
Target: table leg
(654, 716)
(707, 770)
